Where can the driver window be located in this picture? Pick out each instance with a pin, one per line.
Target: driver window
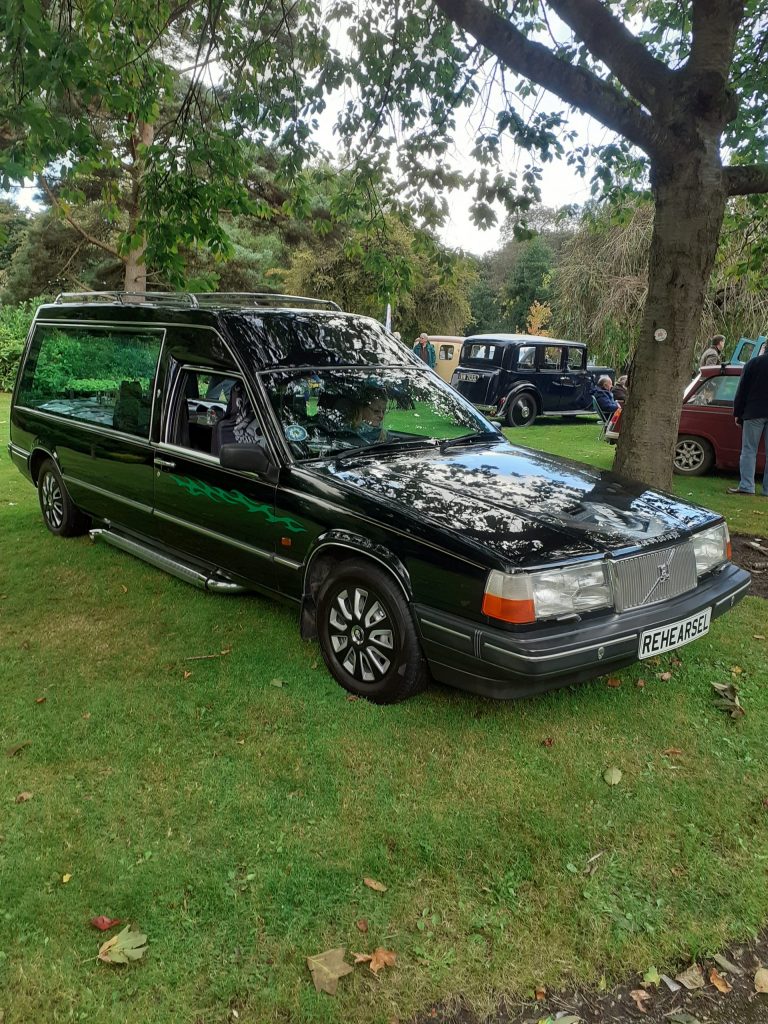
(211, 408)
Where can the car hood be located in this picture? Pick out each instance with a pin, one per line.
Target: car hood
(521, 504)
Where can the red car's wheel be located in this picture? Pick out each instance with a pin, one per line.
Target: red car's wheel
(693, 456)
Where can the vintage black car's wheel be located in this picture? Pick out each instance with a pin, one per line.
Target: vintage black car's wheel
(60, 514)
(367, 635)
(522, 410)
(693, 456)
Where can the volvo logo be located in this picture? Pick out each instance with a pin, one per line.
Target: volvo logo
(663, 571)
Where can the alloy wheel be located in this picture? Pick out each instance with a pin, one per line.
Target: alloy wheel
(361, 633)
(52, 501)
(689, 456)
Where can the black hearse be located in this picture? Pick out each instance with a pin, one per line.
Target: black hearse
(517, 377)
(259, 443)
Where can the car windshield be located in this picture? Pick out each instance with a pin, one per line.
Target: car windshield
(323, 412)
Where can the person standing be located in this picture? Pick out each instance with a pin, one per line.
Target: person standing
(750, 409)
(425, 350)
(713, 354)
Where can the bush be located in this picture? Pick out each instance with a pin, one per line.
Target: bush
(14, 327)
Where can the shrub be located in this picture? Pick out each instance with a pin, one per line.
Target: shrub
(14, 327)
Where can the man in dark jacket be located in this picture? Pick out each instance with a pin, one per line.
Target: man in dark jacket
(750, 408)
(601, 392)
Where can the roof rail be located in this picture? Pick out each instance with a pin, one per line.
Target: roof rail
(262, 299)
(130, 298)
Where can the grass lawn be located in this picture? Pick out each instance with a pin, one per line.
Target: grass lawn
(234, 820)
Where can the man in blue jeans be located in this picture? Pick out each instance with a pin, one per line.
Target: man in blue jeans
(750, 408)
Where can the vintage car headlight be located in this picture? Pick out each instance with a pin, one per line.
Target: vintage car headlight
(552, 594)
(712, 547)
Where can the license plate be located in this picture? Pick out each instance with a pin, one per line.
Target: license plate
(469, 377)
(676, 634)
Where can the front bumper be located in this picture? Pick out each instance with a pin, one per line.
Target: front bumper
(497, 663)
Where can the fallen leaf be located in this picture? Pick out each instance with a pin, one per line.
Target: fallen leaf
(671, 985)
(675, 662)
(727, 965)
(66, 878)
(640, 998)
(124, 588)
(728, 699)
(226, 650)
(17, 748)
(326, 969)
(187, 674)
(378, 959)
(614, 682)
(651, 977)
(692, 978)
(758, 636)
(681, 1017)
(736, 670)
(612, 776)
(315, 664)
(104, 923)
(352, 697)
(86, 714)
(361, 925)
(719, 981)
(40, 700)
(541, 994)
(566, 1018)
(665, 676)
(640, 683)
(276, 682)
(761, 979)
(23, 797)
(373, 884)
(672, 752)
(547, 742)
(127, 945)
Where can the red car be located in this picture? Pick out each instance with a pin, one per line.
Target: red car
(707, 436)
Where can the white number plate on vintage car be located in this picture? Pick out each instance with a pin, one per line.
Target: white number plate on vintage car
(666, 638)
(471, 377)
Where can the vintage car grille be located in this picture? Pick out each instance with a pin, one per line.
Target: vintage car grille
(654, 576)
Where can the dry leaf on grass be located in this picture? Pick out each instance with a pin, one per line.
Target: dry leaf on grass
(541, 994)
(378, 959)
(277, 682)
(326, 969)
(640, 997)
(40, 700)
(640, 683)
(127, 945)
(673, 752)
(718, 981)
(612, 776)
(665, 676)
(681, 1017)
(361, 925)
(66, 878)
(761, 979)
(727, 965)
(17, 748)
(758, 636)
(728, 699)
(547, 741)
(373, 884)
(614, 682)
(104, 923)
(23, 797)
(692, 978)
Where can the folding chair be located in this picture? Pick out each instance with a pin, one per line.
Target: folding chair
(604, 417)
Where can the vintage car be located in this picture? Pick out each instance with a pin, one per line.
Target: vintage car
(447, 349)
(517, 377)
(707, 436)
(267, 444)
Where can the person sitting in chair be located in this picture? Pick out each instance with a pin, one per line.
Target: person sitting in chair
(601, 392)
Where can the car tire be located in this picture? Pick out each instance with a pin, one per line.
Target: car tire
(60, 514)
(521, 410)
(367, 634)
(693, 456)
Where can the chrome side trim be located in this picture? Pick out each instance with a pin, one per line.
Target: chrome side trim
(168, 564)
(15, 449)
(92, 427)
(289, 563)
(107, 494)
(732, 597)
(565, 654)
(259, 552)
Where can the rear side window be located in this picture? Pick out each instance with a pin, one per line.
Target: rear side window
(93, 375)
(551, 357)
(446, 352)
(577, 358)
(719, 391)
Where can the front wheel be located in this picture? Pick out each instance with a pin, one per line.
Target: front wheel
(367, 635)
(521, 410)
(60, 514)
(693, 456)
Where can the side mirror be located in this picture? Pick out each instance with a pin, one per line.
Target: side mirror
(248, 458)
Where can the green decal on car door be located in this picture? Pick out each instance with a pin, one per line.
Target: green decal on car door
(199, 489)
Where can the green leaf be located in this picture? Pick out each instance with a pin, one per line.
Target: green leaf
(651, 977)
(127, 945)
(612, 776)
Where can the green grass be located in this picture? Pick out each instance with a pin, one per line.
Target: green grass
(234, 820)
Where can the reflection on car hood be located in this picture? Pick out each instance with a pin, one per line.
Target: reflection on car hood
(522, 504)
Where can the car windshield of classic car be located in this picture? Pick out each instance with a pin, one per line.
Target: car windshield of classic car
(324, 412)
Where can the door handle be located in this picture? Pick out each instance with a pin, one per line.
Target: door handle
(165, 464)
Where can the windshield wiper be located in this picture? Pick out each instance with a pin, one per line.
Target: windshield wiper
(488, 436)
(386, 446)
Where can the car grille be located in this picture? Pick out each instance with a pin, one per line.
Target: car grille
(654, 576)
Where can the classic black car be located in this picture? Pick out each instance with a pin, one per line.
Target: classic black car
(304, 453)
(517, 377)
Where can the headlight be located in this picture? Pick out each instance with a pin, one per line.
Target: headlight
(526, 597)
(712, 547)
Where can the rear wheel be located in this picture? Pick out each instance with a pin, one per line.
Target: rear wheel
(60, 513)
(521, 410)
(693, 456)
(367, 635)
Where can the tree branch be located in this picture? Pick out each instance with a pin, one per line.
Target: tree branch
(69, 219)
(713, 36)
(645, 77)
(572, 84)
(746, 180)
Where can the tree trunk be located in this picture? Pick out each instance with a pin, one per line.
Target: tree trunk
(690, 202)
(135, 268)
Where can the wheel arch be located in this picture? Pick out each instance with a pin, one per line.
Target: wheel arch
(524, 387)
(37, 458)
(333, 548)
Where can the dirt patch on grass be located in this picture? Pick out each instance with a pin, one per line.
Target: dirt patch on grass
(706, 1005)
(751, 553)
